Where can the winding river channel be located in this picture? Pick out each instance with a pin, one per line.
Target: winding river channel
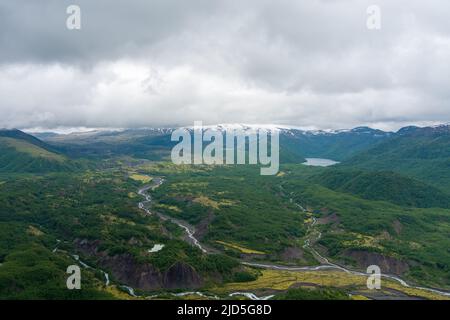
(145, 205)
(325, 263)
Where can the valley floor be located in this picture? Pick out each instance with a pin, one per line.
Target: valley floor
(152, 230)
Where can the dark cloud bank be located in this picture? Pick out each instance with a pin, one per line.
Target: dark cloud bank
(161, 63)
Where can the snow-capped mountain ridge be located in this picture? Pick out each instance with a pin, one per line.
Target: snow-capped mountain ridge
(282, 129)
(288, 129)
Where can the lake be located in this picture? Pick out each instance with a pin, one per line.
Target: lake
(319, 162)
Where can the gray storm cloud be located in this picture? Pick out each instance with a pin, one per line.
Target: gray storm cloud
(162, 63)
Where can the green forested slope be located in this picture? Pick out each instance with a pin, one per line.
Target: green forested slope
(423, 153)
(384, 185)
(22, 153)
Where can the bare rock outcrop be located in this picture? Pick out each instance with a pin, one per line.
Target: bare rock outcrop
(124, 269)
(387, 264)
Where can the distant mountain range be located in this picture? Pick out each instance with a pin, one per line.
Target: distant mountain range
(153, 143)
(421, 153)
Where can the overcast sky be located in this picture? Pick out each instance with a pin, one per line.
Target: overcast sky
(143, 63)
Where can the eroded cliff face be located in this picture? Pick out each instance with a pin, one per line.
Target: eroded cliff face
(181, 275)
(387, 264)
(124, 269)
